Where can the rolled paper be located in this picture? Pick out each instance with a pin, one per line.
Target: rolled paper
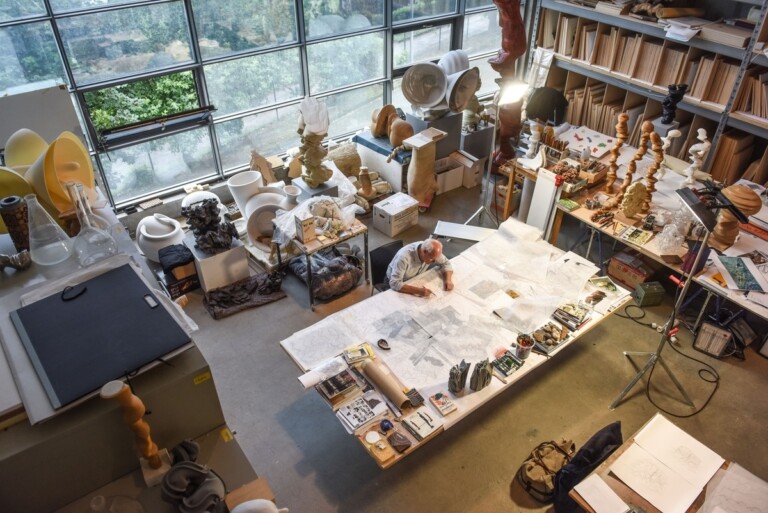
(386, 382)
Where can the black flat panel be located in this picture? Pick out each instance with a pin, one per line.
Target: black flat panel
(106, 332)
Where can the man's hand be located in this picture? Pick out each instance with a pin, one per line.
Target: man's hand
(448, 284)
(448, 280)
(424, 292)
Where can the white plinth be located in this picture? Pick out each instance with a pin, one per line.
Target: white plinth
(221, 269)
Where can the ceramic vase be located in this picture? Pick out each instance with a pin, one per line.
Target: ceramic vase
(244, 186)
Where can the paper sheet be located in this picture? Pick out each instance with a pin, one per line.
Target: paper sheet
(654, 481)
(323, 371)
(739, 491)
(689, 458)
(600, 496)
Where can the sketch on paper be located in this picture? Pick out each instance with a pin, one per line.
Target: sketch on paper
(739, 491)
(687, 457)
(484, 289)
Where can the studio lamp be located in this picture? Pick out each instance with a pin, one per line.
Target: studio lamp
(702, 211)
(510, 93)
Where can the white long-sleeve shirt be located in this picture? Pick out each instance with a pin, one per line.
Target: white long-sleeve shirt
(407, 265)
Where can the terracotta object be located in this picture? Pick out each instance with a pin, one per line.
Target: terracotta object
(133, 415)
(365, 181)
(632, 203)
(399, 131)
(642, 149)
(380, 120)
(621, 136)
(513, 40)
(650, 178)
(727, 228)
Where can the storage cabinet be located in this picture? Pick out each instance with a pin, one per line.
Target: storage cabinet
(605, 64)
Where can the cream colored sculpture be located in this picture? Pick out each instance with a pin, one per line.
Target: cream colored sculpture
(650, 179)
(666, 142)
(533, 141)
(632, 202)
(155, 463)
(262, 165)
(727, 228)
(613, 166)
(313, 127)
(422, 184)
(697, 152)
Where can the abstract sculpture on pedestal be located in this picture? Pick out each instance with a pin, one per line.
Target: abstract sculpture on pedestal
(313, 127)
(645, 134)
(666, 142)
(211, 236)
(155, 463)
(650, 179)
(697, 152)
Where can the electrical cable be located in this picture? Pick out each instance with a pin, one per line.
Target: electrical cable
(707, 374)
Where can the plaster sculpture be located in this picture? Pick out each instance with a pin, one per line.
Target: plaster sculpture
(727, 228)
(666, 142)
(621, 136)
(533, 141)
(474, 112)
(262, 165)
(20, 261)
(697, 152)
(386, 123)
(211, 236)
(632, 202)
(313, 127)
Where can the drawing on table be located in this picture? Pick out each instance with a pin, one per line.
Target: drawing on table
(687, 457)
(739, 491)
(484, 289)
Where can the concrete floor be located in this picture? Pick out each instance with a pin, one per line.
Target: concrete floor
(293, 440)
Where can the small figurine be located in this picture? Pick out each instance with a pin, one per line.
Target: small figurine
(697, 152)
(666, 142)
(473, 113)
(533, 141)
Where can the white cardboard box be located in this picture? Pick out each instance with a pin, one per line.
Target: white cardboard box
(449, 174)
(473, 168)
(305, 227)
(395, 214)
(221, 269)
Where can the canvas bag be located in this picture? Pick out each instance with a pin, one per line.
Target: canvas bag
(537, 473)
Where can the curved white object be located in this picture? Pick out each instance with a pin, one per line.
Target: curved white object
(243, 186)
(424, 84)
(155, 232)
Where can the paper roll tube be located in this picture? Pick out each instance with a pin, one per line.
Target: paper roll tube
(386, 382)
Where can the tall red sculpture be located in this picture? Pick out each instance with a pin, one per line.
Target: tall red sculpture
(513, 45)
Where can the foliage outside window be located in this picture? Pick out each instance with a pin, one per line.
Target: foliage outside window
(142, 100)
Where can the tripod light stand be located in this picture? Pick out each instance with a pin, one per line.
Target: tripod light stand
(705, 216)
(510, 92)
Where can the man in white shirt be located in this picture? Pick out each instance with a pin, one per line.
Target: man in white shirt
(414, 259)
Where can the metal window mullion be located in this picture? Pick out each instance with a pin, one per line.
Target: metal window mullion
(109, 7)
(301, 38)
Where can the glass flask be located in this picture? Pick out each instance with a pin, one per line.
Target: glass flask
(93, 243)
(48, 244)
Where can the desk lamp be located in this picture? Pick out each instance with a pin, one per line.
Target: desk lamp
(701, 206)
(510, 93)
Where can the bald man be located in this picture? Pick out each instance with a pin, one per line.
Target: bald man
(414, 259)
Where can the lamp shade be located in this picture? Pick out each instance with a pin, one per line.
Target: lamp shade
(454, 62)
(424, 84)
(23, 148)
(65, 160)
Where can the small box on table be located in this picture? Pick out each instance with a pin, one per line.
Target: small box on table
(305, 227)
(221, 269)
(395, 214)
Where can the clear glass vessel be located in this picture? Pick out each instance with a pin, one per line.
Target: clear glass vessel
(93, 243)
(48, 244)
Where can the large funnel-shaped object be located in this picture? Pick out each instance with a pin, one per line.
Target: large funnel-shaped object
(23, 148)
(424, 84)
(461, 87)
(65, 160)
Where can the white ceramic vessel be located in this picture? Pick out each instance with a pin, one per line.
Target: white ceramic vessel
(156, 232)
(243, 186)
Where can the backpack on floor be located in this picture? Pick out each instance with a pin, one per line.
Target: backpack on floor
(537, 473)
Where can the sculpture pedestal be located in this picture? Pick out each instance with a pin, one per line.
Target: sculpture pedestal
(663, 129)
(324, 189)
(221, 269)
(154, 476)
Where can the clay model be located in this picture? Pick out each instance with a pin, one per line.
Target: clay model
(513, 41)
(457, 378)
(632, 202)
(645, 135)
(211, 236)
(313, 127)
(650, 179)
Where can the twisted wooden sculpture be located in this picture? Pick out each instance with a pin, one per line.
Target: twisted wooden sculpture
(650, 175)
(621, 136)
(133, 415)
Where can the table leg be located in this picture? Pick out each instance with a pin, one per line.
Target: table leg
(591, 238)
(556, 226)
(309, 283)
(365, 254)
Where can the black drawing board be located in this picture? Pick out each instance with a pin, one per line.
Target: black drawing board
(114, 327)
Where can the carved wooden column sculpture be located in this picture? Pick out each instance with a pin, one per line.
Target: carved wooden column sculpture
(650, 175)
(154, 462)
(642, 149)
(621, 136)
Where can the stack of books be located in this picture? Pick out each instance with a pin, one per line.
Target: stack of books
(505, 365)
(421, 423)
(340, 389)
(363, 411)
(571, 315)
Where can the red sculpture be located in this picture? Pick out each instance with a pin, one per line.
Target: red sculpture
(513, 45)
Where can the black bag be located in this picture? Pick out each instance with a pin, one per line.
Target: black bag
(593, 453)
(537, 473)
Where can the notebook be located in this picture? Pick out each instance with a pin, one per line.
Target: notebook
(100, 330)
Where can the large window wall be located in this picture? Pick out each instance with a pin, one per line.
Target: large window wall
(180, 91)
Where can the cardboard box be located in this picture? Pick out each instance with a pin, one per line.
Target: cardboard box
(305, 227)
(449, 174)
(221, 269)
(395, 214)
(629, 268)
(473, 168)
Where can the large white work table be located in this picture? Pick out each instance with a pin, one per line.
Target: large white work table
(429, 336)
